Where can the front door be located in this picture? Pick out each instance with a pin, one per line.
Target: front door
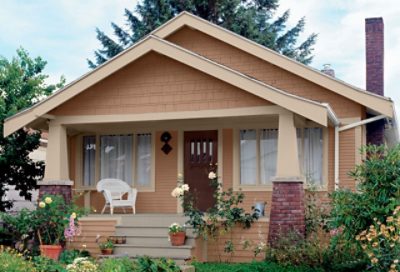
(201, 150)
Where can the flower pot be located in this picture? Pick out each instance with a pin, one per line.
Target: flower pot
(107, 251)
(177, 239)
(50, 251)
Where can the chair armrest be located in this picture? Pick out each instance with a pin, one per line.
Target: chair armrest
(107, 196)
(132, 194)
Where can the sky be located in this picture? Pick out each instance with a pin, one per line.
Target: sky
(63, 33)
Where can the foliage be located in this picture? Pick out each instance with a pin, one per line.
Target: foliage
(381, 242)
(251, 267)
(13, 261)
(378, 192)
(68, 256)
(156, 265)
(82, 264)
(22, 83)
(52, 218)
(315, 212)
(18, 229)
(175, 228)
(43, 264)
(106, 245)
(117, 265)
(220, 219)
(253, 19)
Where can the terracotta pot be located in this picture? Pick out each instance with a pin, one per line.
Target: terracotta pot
(107, 251)
(51, 251)
(177, 239)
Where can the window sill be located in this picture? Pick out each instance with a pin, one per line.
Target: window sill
(85, 189)
(253, 188)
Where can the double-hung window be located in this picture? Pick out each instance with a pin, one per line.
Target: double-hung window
(310, 143)
(258, 155)
(126, 157)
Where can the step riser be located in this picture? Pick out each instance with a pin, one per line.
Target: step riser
(179, 253)
(145, 221)
(150, 231)
(154, 241)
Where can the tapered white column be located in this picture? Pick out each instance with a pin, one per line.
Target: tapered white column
(288, 167)
(57, 154)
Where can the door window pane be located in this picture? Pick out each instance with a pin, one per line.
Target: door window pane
(248, 157)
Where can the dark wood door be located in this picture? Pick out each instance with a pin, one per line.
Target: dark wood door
(201, 150)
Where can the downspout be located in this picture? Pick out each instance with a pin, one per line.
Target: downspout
(346, 127)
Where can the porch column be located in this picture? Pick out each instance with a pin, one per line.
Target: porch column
(56, 177)
(287, 205)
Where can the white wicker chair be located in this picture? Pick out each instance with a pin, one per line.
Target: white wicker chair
(113, 191)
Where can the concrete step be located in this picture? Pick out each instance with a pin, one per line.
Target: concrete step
(122, 230)
(168, 251)
(154, 240)
(146, 220)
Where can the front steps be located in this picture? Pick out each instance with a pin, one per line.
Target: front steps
(147, 234)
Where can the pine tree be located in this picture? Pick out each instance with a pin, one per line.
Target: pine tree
(253, 19)
(21, 85)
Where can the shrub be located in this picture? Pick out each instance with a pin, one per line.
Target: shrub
(162, 265)
(378, 191)
(117, 265)
(68, 256)
(13, 261)
(82, 264)
(43, 264)
(251, 267)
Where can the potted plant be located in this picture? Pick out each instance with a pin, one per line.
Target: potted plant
(53, 220)
(177, 234)
(107, 247)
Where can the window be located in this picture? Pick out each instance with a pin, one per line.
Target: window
(310, 141)
(258, 155)
(125, 157)
(116, 157)
(89, 155)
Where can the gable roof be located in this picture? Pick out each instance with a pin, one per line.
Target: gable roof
(376, 103)
(312, 110)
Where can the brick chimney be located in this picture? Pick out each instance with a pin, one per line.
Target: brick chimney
(374, 43)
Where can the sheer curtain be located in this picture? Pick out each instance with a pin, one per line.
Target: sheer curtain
(89, 154)
(268, 154)
(143, 159)
(116, 157)
(312, 155)
(248, 157)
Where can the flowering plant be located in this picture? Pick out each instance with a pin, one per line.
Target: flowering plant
(180, 190)
(381, 242)
(55, 221)
(175, 228)
(82, 264)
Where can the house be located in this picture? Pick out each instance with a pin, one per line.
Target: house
(192, 93)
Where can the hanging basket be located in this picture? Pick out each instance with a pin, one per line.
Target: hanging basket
(177, 239)
(51, 251)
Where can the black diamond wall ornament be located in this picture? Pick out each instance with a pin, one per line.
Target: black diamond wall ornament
(166, 149)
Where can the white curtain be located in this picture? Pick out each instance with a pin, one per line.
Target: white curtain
(312, 155)
(268, 154)
(116, 157)
(143, 159)
(89, 154)
(248, 157)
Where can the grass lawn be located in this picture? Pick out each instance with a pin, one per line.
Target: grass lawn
(250, 267)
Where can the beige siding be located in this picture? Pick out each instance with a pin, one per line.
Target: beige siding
(156, 83)
(250, 65)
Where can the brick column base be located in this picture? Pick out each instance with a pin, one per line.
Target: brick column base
(287, 210)
(56, 187)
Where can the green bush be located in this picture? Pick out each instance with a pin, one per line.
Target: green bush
(160, 265)
(12, 261)
(117, 265)
(251, 267)
(68, 256)
(43, 264)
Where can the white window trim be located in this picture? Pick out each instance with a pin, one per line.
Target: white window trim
(79, 162)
